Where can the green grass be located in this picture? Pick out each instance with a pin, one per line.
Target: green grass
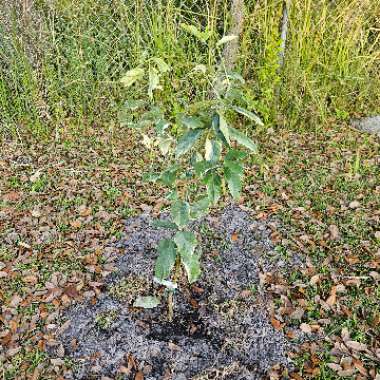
(61, 60)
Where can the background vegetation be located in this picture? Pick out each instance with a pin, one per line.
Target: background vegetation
(60, 60)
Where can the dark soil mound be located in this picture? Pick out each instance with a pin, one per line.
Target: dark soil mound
(220, 330)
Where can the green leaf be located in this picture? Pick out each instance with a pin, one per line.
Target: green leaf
(186, 243)
(215, 121)
(147, 141)
(172, 195)
(192, 266)
(132, 76)
(234, 166)
(223, 126)
(250, 115)
(214, 187)
(164, 144)
(154, 82)
(242, 139)
(151, 177)
(161, 64)
(201, 167)
(168, 284)
(191, 122)
(236, 76)
(226, 39)
(195, 158)
(148, 302)
(234, 154)
(187, 141)
(233, 180)
(161, 126)
(213, 149)
(193, 30)
(200, 68)
(164, 224)
(167, 254)
(180, 213)
(168, 176)
(150, 117)
(199, 208)
(134, 104)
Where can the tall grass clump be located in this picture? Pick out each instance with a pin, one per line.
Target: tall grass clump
(61, 60)
(332, 59)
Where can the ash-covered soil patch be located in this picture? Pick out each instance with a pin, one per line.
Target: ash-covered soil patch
(220, 329)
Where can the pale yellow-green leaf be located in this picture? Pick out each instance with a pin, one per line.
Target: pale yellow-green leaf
(132, 76)
(226, 39)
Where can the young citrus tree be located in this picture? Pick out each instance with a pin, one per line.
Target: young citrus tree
(201, 148)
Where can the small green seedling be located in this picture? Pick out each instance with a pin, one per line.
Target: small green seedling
(200, 148)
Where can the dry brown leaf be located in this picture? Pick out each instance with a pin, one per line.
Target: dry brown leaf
(276, 324)
(345, 334)
(334, 367)
(315, 279)
(245, 294)
(76, 223)
(346, 372)
(15, 301)
(139, 376)
(31, 279)
(353, 281)
(291, 334)
(71, 291)
(334, 232)
(356, 346)
(296, 376)
(33, 178)
(352, 260)
(12, 196)
(84, 211)
(360, 367)
(197, 289)
(305, 328)
(353, 205)
(124, 370)
(331, 301)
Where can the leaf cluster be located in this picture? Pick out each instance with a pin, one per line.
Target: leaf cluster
(200, 146)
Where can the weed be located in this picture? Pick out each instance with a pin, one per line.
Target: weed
(129, 288)
(105, 319)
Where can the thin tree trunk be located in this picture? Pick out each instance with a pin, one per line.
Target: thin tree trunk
(231, 50)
